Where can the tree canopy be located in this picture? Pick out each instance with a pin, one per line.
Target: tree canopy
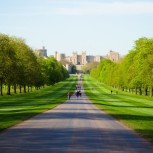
(19, 67)
(134, 72)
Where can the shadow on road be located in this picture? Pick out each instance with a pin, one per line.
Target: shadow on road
(69, 140)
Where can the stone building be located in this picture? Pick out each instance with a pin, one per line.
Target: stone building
(98, 58)
(113, 56)
(41, 52)
(77, 59)
(60, 56)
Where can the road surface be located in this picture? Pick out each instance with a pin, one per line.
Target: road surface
(76, 126)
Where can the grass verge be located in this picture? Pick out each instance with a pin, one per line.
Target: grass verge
(14, 109)
(134, 111)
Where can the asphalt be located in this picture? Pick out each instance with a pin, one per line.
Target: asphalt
(76, 126)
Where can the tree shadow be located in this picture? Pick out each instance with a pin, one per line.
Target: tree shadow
(72, 140)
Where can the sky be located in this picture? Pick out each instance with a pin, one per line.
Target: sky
(94, 26)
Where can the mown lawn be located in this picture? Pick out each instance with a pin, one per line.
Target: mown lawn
(16, 108)
(133, 110)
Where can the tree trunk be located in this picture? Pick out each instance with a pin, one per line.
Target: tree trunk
(15, 88)
(129, 90)
(9, 90)
(140, 91)
(146, 91)
(151, 91)
(24, 89)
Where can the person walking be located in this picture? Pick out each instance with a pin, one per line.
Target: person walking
(77, 94)
(68, 95)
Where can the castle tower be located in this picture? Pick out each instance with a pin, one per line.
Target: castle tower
(44, 51)
(84, 60)
(41, 52)
(74, 58)
(113, 56)
(55, 55)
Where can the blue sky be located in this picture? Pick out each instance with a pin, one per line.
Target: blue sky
(94, 26)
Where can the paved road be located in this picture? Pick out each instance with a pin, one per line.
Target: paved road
(76, 126)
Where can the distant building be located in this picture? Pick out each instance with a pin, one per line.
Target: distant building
(77, 59)
(98, 58)
(113, 56)
(58, 56)
(69, 68)
(41, 52)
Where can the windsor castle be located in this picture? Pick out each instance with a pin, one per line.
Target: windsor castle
(84, 59)
(79, 59)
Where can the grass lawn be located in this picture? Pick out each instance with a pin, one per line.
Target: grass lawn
(14, 109)
(133, 110)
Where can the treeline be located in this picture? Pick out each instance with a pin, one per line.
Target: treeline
(134, 73)
(21, 69)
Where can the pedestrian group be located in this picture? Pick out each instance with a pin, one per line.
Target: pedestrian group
(77, 93)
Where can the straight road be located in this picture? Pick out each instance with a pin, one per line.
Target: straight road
(76, 126)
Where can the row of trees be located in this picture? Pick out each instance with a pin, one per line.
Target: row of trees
(133, 73)
(89, 66)
(20, 68)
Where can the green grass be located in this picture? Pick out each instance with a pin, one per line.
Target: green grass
(133, 110)
(14, 109)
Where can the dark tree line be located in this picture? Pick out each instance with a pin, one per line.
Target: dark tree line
(134, 73)
(20, 68)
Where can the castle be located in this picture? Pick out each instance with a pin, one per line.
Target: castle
(41, 52)
(78, 59)
(84, 59)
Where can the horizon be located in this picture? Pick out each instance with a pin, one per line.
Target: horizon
(80, 52)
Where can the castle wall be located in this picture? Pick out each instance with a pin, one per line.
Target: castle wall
(41, 52)
(83, 59)
(113, 56)
(79, 59)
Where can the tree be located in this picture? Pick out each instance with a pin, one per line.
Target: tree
(89, 66)
(133, 72)
(8, 60)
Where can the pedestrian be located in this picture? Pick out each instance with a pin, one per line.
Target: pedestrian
(80, 93)
(68, 95)
(77, 94)
(111, 91)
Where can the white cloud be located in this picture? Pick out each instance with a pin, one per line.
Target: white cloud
(114, 8)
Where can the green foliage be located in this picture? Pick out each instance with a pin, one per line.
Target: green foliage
(52, 71)
(89, 66)
(135, 71)
(103, 72)
(19, 67)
